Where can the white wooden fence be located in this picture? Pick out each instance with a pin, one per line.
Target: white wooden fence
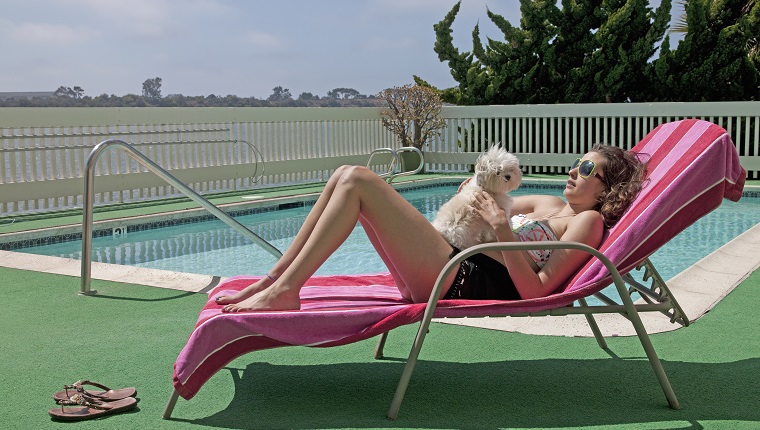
(43, 150)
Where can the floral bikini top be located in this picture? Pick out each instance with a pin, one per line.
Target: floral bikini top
(531, 230)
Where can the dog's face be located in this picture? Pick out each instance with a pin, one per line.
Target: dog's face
(498, 170)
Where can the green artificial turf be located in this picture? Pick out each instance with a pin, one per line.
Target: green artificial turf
(130, 335)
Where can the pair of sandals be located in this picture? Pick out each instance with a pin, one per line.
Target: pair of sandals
(78, 404)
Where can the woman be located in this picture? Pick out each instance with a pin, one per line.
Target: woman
(599, 189)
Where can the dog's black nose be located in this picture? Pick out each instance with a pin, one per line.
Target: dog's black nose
(507, 177)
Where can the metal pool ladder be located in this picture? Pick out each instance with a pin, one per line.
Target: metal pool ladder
(146, 162)
(391, 174)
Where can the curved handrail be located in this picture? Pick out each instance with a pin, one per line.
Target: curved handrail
(390, 175)
(392, 164)
(409, 172)
(257, 155)
(146, 162)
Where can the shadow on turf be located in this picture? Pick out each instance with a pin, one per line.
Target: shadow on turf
(180, 295)
(523, 393)
(142, 299)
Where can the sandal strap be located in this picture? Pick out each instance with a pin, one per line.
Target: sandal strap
(80, 390)
(84, 400)
(78, 385)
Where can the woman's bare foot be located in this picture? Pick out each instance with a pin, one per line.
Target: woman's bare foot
(267, 300)
(246, 292)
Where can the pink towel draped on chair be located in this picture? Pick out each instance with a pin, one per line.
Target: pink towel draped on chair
(693, 166)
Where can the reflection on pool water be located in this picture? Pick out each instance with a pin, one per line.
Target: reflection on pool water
(210, 247)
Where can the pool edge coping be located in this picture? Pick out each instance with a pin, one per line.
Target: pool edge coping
(694, 288)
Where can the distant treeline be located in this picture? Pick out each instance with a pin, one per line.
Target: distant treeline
(176, 100)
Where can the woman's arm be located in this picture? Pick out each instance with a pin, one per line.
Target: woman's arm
(586, 227)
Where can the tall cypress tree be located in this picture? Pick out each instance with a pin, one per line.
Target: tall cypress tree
(459, 63)
(626, 40)
(509, 72)
(717, 59)
(527, 76)
(589, 51)
(576, 29)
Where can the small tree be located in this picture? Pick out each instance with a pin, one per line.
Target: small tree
(279, 94)
(412, 114)
(68, 92)
(152, 89)
(343, 93)
(308, 96)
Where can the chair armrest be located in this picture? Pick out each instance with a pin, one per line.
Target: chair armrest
(453, 264)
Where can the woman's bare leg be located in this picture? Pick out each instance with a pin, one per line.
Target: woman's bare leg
(416, 250)
(370, 231)
(298, 242)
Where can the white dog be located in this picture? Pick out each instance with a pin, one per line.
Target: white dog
(497, 172)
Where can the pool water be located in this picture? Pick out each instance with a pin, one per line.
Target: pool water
(212, 248)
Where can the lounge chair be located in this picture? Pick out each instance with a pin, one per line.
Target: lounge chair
(693, 166)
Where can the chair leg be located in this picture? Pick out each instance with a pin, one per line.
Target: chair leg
(406, 374)
(380, 346)
(594, 326)
(170, 405)
(654, 361)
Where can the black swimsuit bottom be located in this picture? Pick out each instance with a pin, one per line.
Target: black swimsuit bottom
(480, 277)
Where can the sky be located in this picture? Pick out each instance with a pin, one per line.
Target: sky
(239, 47)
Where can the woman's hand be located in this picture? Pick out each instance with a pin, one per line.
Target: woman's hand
(485, 206)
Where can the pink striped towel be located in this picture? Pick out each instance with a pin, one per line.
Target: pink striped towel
(694, 165)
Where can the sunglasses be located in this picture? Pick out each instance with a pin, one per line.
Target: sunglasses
(587, 168)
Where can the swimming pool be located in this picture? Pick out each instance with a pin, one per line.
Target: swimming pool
(212, 248)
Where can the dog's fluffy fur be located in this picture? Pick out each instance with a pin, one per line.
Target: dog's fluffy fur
(497, 172)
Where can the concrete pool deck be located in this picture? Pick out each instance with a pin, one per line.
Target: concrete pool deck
(697, 289)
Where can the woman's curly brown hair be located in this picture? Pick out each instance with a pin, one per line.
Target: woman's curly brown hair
(624, 175)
